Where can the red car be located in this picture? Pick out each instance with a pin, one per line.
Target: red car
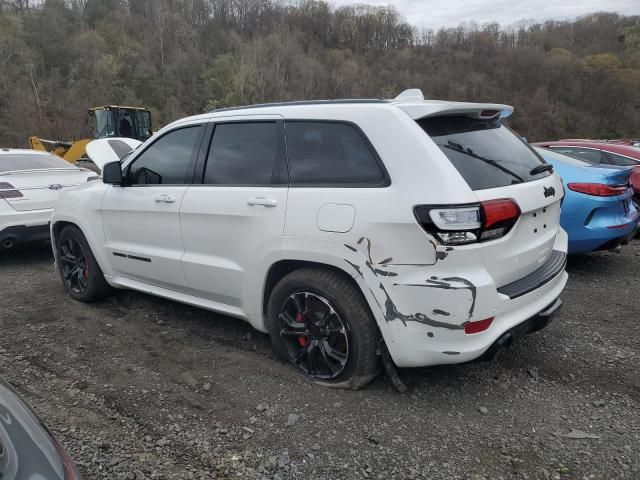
(604, 154)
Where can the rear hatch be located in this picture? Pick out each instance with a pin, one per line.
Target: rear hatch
(497, 164)
(612, 176)
(38, 189)
(615, 177)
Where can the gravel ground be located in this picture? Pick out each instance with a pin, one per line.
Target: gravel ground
(137, 387)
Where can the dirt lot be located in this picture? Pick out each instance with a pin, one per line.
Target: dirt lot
(137, 387)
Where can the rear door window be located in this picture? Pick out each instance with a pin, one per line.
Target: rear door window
(331, 153)
(243, 154)
(486, 153)
(30, 161)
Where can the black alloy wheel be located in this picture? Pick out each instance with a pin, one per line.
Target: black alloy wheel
(314, 334)
(75, 272)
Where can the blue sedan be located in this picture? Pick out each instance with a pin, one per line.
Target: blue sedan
(597, 211)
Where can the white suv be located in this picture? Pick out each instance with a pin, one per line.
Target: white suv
(347, 230)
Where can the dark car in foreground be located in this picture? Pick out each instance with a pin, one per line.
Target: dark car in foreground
(28, 450)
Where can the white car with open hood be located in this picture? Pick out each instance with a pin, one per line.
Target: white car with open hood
(30, 183)
(357, 233)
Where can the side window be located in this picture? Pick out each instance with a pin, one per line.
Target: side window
(243, 154)
(326, 153)
(586, 154)
(167, 160)
(615, 159)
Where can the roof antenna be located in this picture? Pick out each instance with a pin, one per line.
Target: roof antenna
(411, 95)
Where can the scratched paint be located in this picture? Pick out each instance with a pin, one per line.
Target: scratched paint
(391, 312)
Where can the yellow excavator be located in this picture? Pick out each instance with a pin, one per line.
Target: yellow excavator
(103, 122)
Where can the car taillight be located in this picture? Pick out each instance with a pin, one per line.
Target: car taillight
(463, 224)
(598, 189)
(9, 191)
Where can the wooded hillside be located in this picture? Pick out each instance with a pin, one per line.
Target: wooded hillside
(181, 57)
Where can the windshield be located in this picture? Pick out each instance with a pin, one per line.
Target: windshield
(102, 124)
(120, 122)
(486, 153)
(30, 161)
(142, 122)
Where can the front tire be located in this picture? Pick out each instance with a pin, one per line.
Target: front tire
(80, 273)
(319, 322)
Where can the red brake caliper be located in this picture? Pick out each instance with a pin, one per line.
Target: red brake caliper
(301, 340)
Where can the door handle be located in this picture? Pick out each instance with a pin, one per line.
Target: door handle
(265, 202)
(164, 198)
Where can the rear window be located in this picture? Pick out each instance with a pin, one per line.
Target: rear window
(620, 160)
(590, 155)
(562, 157)
(30, 161)
(486, 153)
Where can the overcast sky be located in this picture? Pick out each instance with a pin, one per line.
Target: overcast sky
(449, 13)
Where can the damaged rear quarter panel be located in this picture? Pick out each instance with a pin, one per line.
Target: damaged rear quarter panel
(427, 299)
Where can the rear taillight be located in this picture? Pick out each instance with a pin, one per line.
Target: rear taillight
(598, 189)
(9, 191)
(463, 224)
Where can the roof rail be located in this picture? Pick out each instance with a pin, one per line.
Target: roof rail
(299, 103)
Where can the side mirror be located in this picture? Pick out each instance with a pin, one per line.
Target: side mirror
(112, 173)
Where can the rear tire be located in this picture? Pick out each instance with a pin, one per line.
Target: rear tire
(319, 322)
(80, 273)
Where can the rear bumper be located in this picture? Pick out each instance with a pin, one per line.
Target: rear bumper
(598, 223)
(23, 233)
(531, 325)
(435, 335)
(588, 240)
(23, 226)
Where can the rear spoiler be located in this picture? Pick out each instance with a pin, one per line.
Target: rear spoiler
(413, 103)
(418, 110)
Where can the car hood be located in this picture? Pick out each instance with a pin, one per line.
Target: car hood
(27, 450)
(105, 150)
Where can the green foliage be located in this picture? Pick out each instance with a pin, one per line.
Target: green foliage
(182, 57)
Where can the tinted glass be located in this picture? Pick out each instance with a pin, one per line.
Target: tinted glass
(243, 154)
(167, 160)
(486, 153)
(30, 161)
(561, 157)
(330, 153)
(586, 154)
(621, 161)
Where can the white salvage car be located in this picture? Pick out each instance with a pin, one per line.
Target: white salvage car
(409, 231)
(30, 183)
